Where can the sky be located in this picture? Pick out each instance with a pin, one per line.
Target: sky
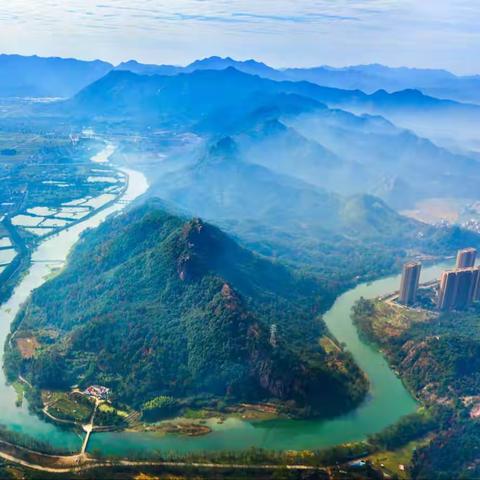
(282, 33)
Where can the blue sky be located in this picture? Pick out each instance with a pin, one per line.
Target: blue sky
(423, 33)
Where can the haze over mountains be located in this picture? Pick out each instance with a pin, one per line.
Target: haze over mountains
(296, 170)
(332, 147)
(47, 77)
(288, 168)
(37, 76)
(368, 78)
(447, 122)
(56, 77)
(285, 217)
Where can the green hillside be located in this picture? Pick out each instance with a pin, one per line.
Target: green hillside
(152, 304)
(340, 237)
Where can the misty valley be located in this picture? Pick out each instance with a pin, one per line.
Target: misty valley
(197, 267)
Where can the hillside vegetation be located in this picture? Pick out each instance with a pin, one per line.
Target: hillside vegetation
(340, 237)
(152, 304)
(438, 357)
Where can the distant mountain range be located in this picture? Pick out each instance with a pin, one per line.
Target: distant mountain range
(363, 89)
(202, 91)
(251, 67)
(216, 95)
(47, 77)
(368, 78)
(58, 77)
(287, 171)
(275, 122)
(408, 97)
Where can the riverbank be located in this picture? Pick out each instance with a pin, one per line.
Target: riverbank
(234, 464)
(76, 464)
(437, 354)
(386, 403)
(51, 253)
(345, 459)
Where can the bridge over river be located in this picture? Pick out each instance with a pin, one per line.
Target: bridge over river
(387, 401)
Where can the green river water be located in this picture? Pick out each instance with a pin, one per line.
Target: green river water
(386, 403)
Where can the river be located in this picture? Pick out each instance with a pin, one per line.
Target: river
(52, 253)
(387, 401)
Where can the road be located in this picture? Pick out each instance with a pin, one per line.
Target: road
(88, 428)
(76, 463)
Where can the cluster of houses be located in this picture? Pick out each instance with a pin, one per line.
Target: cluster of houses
(98, 392)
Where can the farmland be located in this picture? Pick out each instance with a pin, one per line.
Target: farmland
(51, 177)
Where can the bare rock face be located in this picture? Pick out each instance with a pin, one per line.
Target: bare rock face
(189, 263)
(274, 385)
(227, 292)
(192, 232)
(231, 299)
(183, 264)
(278, 382)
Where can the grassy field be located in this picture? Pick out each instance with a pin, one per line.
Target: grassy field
(68, 406)
(393, 460)
(107, 408)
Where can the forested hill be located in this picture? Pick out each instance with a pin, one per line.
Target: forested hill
(152, 304)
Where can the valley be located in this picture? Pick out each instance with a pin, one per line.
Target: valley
(237, 432)
(210, 315)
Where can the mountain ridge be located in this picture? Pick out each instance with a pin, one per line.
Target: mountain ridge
(36, 76)
(218, 87)
(368, 78)
(175, 307)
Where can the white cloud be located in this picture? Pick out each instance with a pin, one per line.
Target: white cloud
(282, 32)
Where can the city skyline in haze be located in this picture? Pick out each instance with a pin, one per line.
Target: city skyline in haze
(282, 33)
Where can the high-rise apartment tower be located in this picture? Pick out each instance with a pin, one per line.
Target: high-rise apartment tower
(459, 288)
(466, 258)
(409, 283)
